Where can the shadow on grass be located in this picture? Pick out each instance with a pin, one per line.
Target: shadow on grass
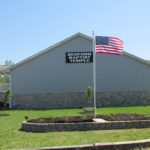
(4, 115)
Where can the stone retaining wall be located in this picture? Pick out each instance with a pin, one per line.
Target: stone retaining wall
(77, 100)
(83, 126)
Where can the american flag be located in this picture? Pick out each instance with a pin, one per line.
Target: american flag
(109, 45)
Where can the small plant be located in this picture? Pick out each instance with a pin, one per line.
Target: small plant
(88, 97)
(89, 94)
(26, 118)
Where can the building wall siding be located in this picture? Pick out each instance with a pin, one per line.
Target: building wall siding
(121, 73)
(50, 73)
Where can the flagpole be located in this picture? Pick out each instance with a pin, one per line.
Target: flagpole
(94, 74)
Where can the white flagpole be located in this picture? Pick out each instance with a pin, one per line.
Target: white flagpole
(94, 74)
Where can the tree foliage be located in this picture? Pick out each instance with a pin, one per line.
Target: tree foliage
(8, 62)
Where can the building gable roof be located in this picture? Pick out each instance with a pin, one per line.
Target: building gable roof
(66, 40)
(50, 48)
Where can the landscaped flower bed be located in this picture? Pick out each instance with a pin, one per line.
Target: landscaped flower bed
(84, 123)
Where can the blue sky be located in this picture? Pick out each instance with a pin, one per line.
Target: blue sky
(29, 26)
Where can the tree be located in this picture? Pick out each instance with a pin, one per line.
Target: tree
(8, 62)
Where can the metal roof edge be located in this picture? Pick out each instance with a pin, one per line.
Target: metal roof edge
(137, 58)
(49, 49)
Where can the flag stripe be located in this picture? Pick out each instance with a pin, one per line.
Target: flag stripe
(106, 52)
(108, 47)
(112, 42)
(114, 38)
(111, 50)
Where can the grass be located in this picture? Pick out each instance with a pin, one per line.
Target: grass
(11, 137)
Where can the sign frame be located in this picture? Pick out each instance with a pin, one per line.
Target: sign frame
(79, 57)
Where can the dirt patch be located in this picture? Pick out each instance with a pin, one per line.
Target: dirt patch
(72, 119)
(77, 119)
(124, 117)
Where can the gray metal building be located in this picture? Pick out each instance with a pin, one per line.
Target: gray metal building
(58, 76)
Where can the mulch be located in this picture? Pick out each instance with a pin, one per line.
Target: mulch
(76, 119)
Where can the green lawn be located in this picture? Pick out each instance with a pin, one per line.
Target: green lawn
(11, 137)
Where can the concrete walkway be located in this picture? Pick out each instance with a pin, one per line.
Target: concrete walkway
(101, 146)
